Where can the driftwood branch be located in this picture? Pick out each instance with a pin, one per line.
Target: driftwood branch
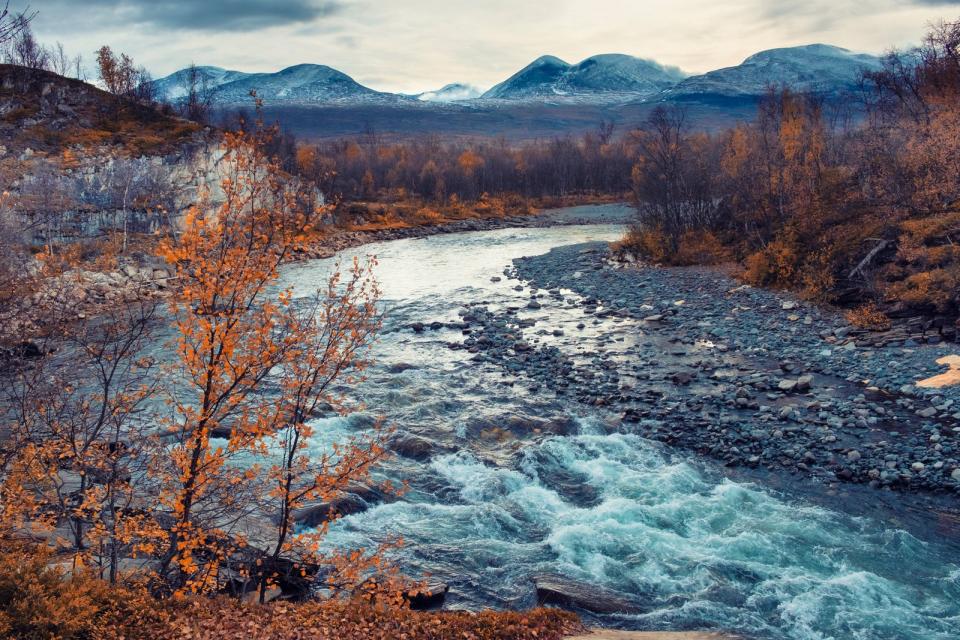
(881, 245)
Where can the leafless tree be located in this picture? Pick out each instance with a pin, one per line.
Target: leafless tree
(11, 24)
(62, 63)
(198, 95)
(23, 49)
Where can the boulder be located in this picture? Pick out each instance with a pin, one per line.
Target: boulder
(787, 386)
(570, 594)
(318, 513)
(429, 597)
(804, 383)
(411, 446)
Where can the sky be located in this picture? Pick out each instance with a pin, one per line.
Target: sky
(418, 45)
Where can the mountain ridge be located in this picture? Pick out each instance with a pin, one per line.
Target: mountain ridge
(603, 78)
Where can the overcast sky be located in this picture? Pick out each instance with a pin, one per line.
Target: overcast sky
(416, 45)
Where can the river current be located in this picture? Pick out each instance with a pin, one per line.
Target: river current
(492, 507)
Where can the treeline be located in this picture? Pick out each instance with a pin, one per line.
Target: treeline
(437, 171)
(844, 209)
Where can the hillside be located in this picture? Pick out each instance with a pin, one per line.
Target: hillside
(41, 111)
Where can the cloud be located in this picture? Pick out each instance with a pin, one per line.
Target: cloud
(416, 45)
(204, 15)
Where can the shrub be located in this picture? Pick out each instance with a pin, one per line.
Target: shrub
(774, 265)
(868, 316)
(648, 243)
(40, 601)
(699, 247)
(935, 290)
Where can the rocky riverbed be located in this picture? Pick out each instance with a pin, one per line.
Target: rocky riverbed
(751, 378)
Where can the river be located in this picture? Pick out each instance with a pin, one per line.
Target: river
(518, 482)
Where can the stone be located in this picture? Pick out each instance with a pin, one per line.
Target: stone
(787, 385)
(853, 455)
(430, 597)
(316, 514)
(804, 383)
(411, 446)
(565, 592)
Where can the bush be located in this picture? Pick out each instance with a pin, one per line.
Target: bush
(40, 601)
(774, 265)
(868, 316)
(699, 247)
(651, 244)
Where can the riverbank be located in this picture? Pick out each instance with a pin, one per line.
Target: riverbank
(613, 213)
(771, 387)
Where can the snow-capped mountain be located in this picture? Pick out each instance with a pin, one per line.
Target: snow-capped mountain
(451, 93)
(600, 75)
(302, 83)
(818, 68)
(175, 86)
(608, 79)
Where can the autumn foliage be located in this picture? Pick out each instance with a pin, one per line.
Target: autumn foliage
(848, 205)
(40, 601)
(132, 481)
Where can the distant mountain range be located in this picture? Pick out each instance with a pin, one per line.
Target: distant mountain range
(607, 78)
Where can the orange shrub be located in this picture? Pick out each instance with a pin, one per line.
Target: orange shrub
(649, 243)
(774, 265)
(868, 316)
(39, 601)
(935, 290)
(699, 247)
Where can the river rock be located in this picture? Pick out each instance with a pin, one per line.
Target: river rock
(315, 514)
(411, 446)
(571, 594)
(787, 385)
(429, 597)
